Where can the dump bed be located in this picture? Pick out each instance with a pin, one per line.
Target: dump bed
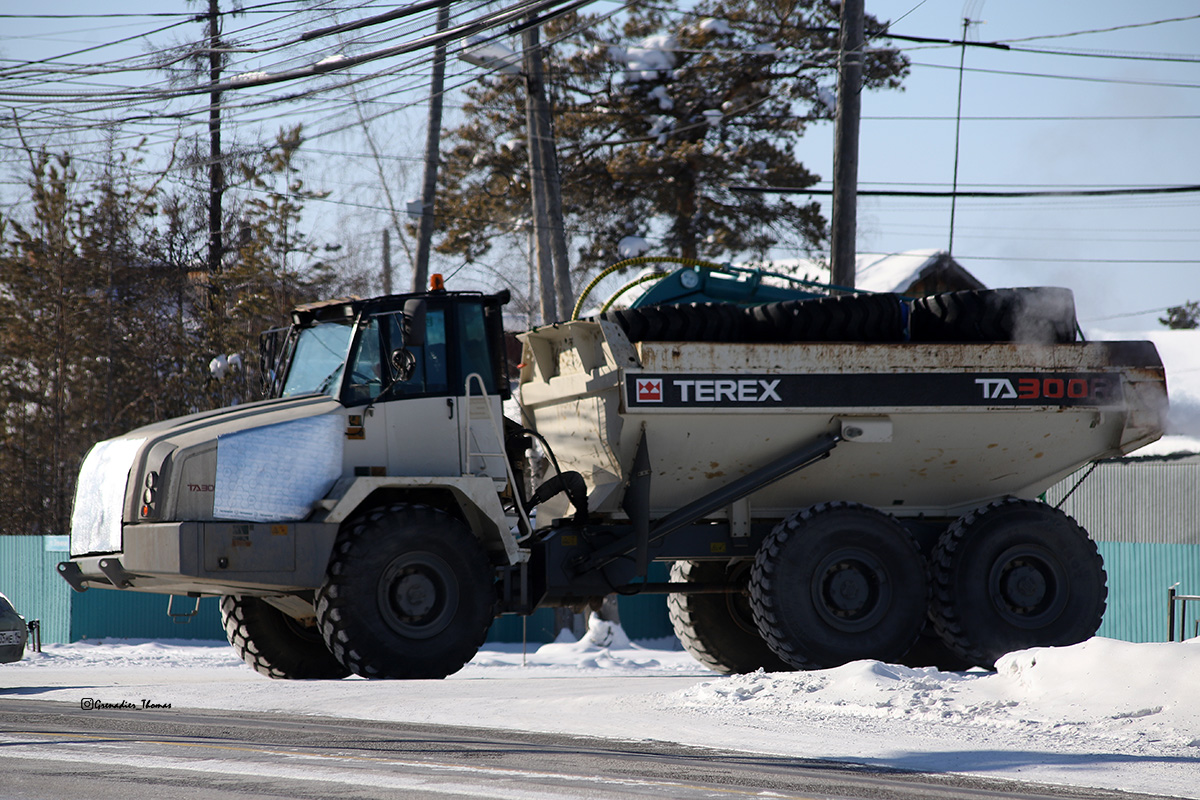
(935, 429)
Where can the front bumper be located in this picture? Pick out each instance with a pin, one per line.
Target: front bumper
(210, 558)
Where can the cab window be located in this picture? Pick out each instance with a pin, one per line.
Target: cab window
(474, 353)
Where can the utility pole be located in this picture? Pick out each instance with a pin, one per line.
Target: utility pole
(844, 223)
(544, 140)
(433, 136)
(537, 176)
(387, 261)
(962, 60)
(216, 170)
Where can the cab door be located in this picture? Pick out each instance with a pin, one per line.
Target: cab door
(421, 412)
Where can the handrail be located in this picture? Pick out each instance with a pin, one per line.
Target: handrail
(1182, 600)
(497, 428)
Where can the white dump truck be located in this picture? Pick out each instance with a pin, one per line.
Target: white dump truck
(830, 479)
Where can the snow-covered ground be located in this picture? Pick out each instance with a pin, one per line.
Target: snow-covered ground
(1103, 713)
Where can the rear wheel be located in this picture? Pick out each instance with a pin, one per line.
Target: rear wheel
(718, 629)
(408, 594)
(839, 582)
(276, 644)
(1016, 574)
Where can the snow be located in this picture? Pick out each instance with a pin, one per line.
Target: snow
(1102, 713)
(717, 27)
(222, 365)
(632, 246)
(655, 56)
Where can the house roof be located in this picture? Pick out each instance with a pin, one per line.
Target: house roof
(891, 272)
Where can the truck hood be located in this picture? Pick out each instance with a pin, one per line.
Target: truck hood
(258, 462)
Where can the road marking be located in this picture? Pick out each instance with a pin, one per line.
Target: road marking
(36, 750)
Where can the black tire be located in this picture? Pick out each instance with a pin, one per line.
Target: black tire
(1036, 315)
(275, 644)
(1016, 574)
(840, 318)
(836, 583)
(409, 593)
(688, 322)
(718, 629)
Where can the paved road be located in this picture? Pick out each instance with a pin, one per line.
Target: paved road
(56, 750)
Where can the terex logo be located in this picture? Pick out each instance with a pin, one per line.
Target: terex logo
(649, 390)
(747, 390)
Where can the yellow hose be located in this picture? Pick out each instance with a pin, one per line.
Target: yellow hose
(633, 262)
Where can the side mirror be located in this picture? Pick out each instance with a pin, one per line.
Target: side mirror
(404, 363)
(414, 323)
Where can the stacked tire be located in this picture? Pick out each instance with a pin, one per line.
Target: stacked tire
(1032, 315)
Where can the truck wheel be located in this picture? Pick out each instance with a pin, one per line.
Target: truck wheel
(1016, 574)
(718, 629)
(1042, 315)
(408, 594)
(836, 583)
(274, 643)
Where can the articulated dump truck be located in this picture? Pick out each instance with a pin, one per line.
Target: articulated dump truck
(829, 479)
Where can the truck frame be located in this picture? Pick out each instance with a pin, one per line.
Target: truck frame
(866, 490)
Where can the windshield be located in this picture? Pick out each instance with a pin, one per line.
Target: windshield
(320, 357)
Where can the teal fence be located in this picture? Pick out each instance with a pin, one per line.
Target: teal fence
(1139, 575)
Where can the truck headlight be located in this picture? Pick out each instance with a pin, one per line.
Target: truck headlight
(150, 494)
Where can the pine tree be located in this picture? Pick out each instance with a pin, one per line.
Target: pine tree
(108, 319)
(1184, 317)
(655, 118)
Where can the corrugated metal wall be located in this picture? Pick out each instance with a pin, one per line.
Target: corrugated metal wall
(29, 579)
(1139, 576)
(1144, 514)
(111, 614)
(1136, 500)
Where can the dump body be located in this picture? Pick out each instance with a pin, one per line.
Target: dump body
(941, 428)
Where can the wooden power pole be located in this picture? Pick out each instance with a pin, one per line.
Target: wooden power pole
(844, 223)
(433, 137)
(540, 200)
(216, 170)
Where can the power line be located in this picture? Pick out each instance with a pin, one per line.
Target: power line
(1105, 30)
(1086, 79)
(1145, 190)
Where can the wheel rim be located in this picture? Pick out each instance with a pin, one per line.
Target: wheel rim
(418, 595)
(850, 589)
(1028, 586)
(737, 603)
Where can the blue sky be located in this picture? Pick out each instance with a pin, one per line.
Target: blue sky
(1030, 121)
(1002, 241)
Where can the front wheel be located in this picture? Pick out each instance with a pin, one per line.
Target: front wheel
(836, 583)
(408, 594)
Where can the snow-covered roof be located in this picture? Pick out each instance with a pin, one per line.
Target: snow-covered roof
(874, 272)
(891, 272)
